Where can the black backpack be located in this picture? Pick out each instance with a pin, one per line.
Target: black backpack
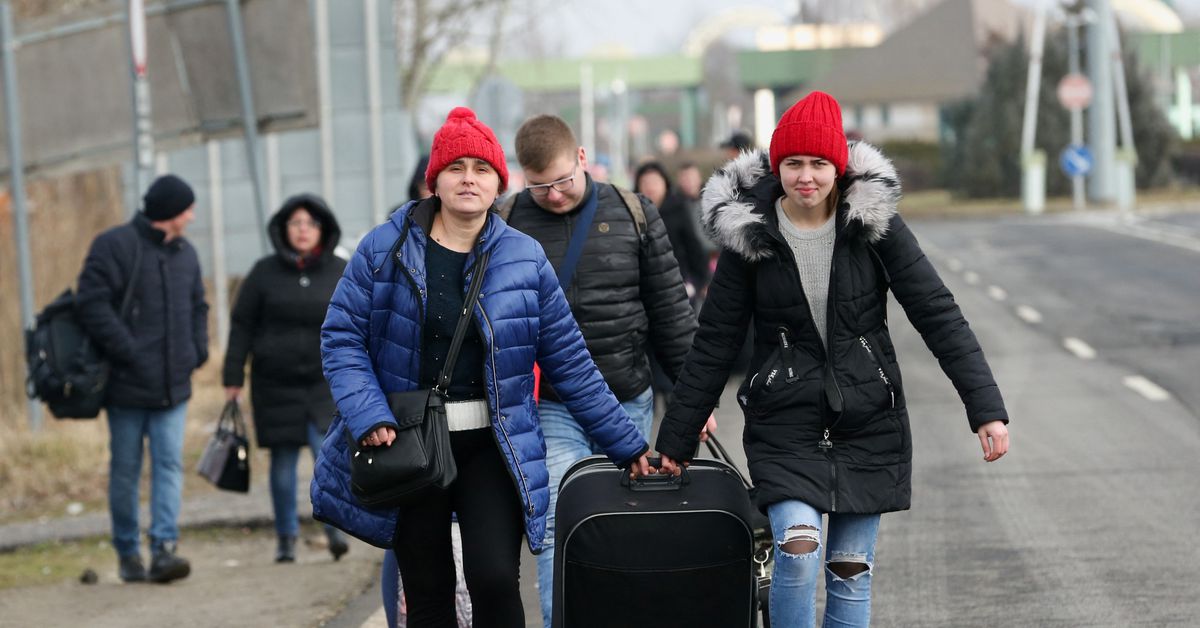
(66, 368)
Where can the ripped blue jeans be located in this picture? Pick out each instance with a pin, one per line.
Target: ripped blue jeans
(849, 539)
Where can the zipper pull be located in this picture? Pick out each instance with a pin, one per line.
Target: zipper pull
(825, 443)
(785, 350)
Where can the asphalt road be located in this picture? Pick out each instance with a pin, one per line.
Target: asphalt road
(1089, 520)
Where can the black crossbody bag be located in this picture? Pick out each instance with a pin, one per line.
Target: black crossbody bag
(419, 459)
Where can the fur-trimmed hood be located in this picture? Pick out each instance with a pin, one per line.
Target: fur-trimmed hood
(737, 198)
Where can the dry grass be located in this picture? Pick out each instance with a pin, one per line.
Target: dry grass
(67, 461)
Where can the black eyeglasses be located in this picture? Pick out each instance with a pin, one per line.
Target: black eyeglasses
(561, 186)
(300, 223)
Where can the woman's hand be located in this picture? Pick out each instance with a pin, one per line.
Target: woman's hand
(993, 436)
(232, 393)
(382, 436)
(670, 466)
(710, 426)
(641, 467)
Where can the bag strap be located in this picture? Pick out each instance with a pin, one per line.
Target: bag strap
(719, 452)
(464, 319)
(885, 279)
(233, 412)
(135, 272)
(634, 205)
(579, 236)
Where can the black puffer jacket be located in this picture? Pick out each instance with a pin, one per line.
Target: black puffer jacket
(626, 295)
(164, 337)
(277, 318)
(798, 388)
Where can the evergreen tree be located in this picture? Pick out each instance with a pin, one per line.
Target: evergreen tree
(982, 147)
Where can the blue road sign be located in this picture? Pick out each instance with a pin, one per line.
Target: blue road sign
(1075, 160)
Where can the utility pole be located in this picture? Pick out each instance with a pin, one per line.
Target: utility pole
(16, 176)
(1102, 120)
(249, 118)
(1078, 193)
(143, 124)
(1033, 162)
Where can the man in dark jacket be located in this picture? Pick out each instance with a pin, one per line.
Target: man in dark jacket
(153, 349)
(625, 292)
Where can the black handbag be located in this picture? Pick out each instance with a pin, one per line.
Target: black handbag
(419, 459)
(226, 458)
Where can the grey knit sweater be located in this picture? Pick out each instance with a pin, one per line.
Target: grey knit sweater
(813, 250)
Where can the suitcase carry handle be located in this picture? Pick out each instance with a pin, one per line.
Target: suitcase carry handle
(657, 482)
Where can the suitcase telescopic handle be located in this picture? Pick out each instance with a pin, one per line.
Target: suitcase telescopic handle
(657, 482)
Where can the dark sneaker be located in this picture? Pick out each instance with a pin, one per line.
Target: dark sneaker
(165, 566)
(132, 569)
(337, 542)
(285, 550)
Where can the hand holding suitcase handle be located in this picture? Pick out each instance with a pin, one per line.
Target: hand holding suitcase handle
(656, 482)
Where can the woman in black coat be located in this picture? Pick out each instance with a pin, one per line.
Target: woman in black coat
(651, 181)
(811, 242)
(277, 319)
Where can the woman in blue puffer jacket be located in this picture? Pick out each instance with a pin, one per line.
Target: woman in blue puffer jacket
(389, 328)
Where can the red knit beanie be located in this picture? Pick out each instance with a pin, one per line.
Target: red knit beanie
(463, 135)
(812, 126)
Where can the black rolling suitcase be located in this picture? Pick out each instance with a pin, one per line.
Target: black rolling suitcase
(673, 549)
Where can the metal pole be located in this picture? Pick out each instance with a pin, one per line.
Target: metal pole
(16, 175)
(1125, 123)
(587, 110)
(1125, 164)
(1033, 167)
(143, 124)
(374, 110)
(216, 226)
(1078, 195)
(1102, 120)
(325, 102)
(249, 118)
(1033, 82)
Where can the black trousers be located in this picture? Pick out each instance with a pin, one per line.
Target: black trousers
(491, 523)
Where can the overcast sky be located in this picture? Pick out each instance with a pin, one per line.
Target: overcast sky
(573, 28)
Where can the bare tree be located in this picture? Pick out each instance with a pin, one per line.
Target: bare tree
(426, 30)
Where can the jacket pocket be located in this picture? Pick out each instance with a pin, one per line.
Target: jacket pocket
(877, 361)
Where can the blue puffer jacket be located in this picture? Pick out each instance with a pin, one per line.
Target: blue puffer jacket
(371, 341)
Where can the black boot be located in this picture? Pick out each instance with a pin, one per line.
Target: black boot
(337, 542)
(132, 569)
(285, 549)
(165, 566)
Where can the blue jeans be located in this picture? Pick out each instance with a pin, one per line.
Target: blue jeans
(566, 444)
(127, 429)
(284, 459)
(850, 539)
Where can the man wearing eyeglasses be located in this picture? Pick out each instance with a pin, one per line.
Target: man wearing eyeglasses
(625, 291)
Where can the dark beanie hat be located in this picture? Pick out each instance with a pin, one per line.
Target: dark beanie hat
(463, 135)
(812, 126)
(167, 197)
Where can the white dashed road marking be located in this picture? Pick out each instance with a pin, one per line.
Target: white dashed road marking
(971, 277)
(1028, 314)
(1080, 348)
(997, 293)
(1146, 388)
(954, 265)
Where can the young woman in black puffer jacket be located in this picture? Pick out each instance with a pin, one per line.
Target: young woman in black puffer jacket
(811, 242)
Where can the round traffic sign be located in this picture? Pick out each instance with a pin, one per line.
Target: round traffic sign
(1075, 91)
(1075, 160)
